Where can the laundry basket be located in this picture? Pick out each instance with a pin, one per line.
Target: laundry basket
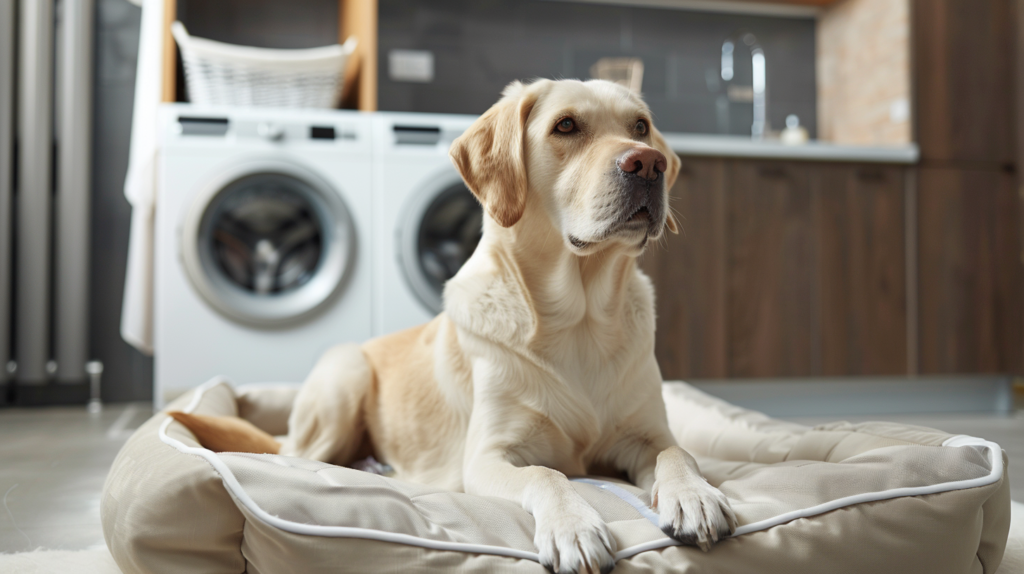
(224, 74)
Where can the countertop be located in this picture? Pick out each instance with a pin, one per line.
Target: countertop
(735, 146)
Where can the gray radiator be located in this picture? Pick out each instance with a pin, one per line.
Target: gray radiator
(7, 39)
(73, 209)
(50, 275)
(32, 285)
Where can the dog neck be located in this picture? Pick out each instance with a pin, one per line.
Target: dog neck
(564, 290)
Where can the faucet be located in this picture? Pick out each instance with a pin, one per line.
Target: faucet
(759, 95)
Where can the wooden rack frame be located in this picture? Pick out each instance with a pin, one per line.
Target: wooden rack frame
(355, 18)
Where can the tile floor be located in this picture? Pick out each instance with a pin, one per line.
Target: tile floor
(53, 462)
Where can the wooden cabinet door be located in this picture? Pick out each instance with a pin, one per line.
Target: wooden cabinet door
(963, 75)
(969, 272)
(689, 275)
(782, 269)
(860, 299)
(769, 269)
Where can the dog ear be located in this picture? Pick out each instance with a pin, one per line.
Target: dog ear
(490, 155)
(674, 165)
(672, 224)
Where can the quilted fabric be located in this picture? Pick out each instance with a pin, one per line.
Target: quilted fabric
(874, 497)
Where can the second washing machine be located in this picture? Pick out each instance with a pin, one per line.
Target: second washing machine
(426, 222)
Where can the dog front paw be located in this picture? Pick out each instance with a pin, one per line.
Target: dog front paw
(574, 540)
(693, 512)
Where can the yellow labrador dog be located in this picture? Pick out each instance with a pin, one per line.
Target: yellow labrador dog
(542, 365)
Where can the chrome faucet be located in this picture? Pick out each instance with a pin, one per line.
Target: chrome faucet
(758, 93)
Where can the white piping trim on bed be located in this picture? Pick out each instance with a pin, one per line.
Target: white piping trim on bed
(994, 453)
(316, 530)
(626, 496)
(995, 458)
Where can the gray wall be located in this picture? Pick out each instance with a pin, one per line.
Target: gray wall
(481, 45)
(128, 375)
(263, 23)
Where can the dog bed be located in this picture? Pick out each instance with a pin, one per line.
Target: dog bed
(872, 497)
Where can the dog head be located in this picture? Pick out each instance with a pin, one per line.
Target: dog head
(587, 152)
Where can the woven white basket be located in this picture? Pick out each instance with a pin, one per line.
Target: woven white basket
(224, 74)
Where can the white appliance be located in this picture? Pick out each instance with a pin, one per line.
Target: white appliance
(263, 242)
(426, 222)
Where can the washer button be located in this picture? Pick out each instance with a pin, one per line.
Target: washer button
(270, 131)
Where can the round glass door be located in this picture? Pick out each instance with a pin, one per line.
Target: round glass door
(440, 232)
(264, 234)
(268, 247)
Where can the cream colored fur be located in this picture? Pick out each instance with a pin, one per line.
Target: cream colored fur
(542, 365)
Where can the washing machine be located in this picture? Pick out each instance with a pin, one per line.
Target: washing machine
(263, 243)
(426, 221)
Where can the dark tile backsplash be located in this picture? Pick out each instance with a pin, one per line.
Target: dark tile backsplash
(481, 45)
(263, 23)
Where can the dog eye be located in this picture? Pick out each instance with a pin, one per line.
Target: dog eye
(566, 125)
(641, 127)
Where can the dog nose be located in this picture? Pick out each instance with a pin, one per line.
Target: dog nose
(645, 162)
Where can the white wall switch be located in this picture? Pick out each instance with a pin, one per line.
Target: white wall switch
(411, 66)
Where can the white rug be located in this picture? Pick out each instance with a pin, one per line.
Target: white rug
(96, 561)
(99, 561)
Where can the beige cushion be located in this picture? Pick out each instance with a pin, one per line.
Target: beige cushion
(873, 497)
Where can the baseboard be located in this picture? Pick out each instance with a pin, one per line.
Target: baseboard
(49, 394)
(867, 396)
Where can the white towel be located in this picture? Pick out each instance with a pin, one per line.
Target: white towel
(140, 183)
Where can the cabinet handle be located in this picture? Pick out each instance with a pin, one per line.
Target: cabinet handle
(773, 171)
(871, 175)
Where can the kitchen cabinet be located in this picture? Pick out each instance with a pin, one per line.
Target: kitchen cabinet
(969, 268)
(963, 77)
(859, 218)
(769, 271)
(970, 272)
(689, 275)
(799, 268)
(781, 269)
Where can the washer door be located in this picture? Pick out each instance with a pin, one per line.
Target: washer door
(438, 232)
(268, 243)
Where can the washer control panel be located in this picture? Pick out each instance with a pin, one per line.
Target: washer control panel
(322, 128)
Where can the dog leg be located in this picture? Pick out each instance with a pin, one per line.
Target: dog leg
(570, 535)
(327, 421)
(691, 510)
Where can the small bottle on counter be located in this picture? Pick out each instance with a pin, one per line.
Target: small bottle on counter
(794, 134)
